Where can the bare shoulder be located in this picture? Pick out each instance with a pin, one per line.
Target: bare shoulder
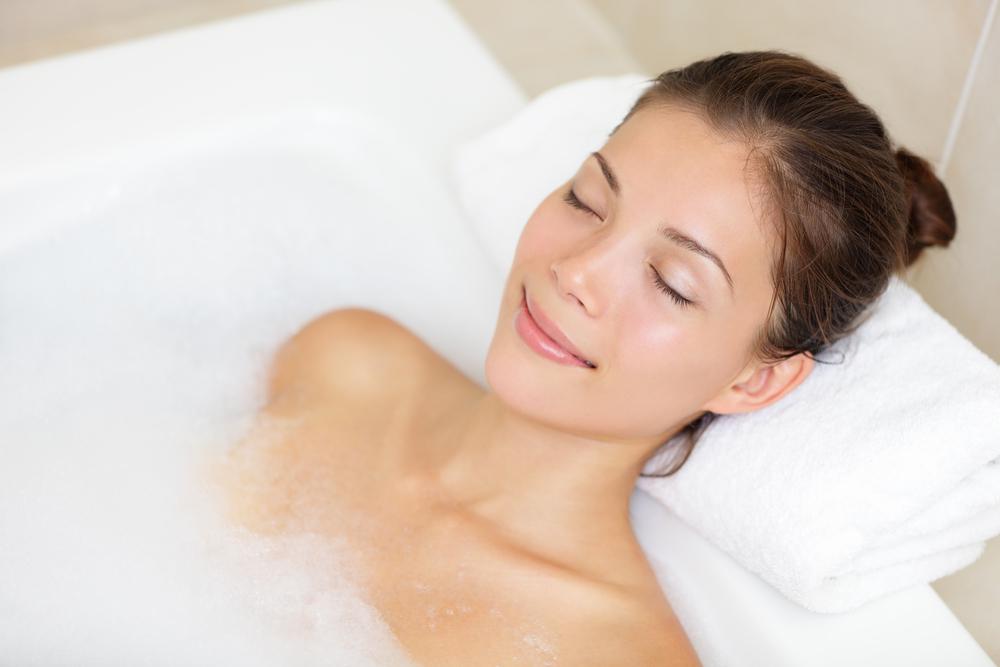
(616, 627)
(358, 355)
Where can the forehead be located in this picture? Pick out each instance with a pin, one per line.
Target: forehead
(661, 141)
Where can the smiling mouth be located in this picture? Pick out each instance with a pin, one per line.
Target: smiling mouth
(541, 341)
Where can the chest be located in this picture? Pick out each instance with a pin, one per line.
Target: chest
(450, 592)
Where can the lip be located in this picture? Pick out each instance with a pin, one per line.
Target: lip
(544, 336)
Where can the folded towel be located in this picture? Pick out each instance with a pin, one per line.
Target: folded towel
(876, 473)
(873, 475)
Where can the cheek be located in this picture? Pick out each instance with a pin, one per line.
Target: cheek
(655, 377)
(545, 232)
(653, 343)
(673, 356)
(682, 361)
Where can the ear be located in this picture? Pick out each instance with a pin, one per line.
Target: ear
(760, 385)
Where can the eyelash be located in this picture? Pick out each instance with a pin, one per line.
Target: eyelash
(574, 201)
(669, 291)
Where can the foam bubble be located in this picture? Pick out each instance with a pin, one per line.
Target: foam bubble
(133, 350)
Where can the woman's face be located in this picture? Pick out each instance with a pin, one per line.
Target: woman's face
(660, 361)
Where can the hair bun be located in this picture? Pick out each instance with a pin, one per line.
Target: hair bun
(931, 217)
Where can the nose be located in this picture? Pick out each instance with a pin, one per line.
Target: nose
(585, 277)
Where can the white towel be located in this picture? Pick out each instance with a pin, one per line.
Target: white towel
(873, 475)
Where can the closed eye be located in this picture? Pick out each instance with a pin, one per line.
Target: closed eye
(668, 290)
(574, 201)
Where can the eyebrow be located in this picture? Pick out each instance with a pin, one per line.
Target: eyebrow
(609, 174)
(689, 243)
(669, 233)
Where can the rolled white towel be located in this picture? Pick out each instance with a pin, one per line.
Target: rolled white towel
(875, 474)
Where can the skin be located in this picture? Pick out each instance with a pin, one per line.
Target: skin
(523, 488)
(564, 444)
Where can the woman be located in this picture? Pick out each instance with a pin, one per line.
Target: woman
(737, 221)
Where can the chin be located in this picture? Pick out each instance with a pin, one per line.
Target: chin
(522, 383)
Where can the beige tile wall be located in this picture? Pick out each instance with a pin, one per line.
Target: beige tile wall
(546, 43)
(962, 282)
(905, 58)
(32, 29)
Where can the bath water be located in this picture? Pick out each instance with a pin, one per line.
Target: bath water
(133, 348)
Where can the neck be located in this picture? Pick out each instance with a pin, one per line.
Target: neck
(545, 487)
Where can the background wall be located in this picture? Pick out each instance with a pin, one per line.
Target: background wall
(931, 69)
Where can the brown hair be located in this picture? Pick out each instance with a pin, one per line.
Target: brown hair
(850, 209)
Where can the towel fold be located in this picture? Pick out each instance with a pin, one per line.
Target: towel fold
(875, 474)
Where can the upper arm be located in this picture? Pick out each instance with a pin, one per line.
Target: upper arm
(353, 354)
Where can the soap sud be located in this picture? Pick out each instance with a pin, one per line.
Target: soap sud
(133, 350)
(542, 647)
(134, 347)
(113, 555)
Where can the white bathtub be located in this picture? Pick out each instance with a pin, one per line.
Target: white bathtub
(310, 145)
